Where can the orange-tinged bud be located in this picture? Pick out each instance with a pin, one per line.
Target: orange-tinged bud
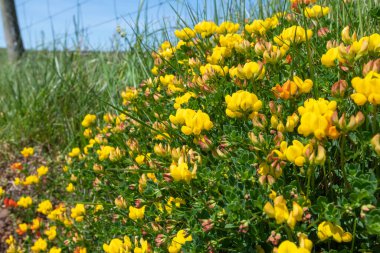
(346, 36)
(373, 65)
(339, 88)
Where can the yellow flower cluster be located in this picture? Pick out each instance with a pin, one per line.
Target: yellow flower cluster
(25, 202)
(327, 229)
(181, 172)
(354, 51)
(316, 11)
(45, 207)
(88, 120)
(178, 241)
(293, 34)
(136, 213)
(242, 103)
(206, 28)
(27, 151)
(185, 34)
(128, 94)
(78, 212)
(260, 26)
(316, 118)
(367, 89)
(183, 99)
(291, 88)
(194, 122)
(279, 211)
(250, 71)
(213, 69)
(305, 245)
(39, 245)
(118, 246)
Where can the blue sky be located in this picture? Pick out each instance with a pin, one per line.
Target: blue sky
(47, 22)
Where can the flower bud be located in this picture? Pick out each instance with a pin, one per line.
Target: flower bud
(356, 121)
(346, 36)
(120, 202)
(375, 142)
(323, 32)
(373, 65)
(339, 88)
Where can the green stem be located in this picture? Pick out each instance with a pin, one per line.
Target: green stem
(310, 173)
(343, 160)
(353, 236)
(374, 120)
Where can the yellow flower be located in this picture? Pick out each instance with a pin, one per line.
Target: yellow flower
(87, 133)
(294, 34)
(39, 245)
(185, 34)
(25, 202)
(374, 43)
(78, 212)
(295, 153)
(260, 26)
(316, 11)
(287, 247)
(250, 71)
(88, 120)
(304, 242)
(1, 191)
(45, 207)
(35, 224)
(367, 89)
(327, 229)
(136, 213)
(194, 121)
(181, 172)
(10, 240)
(177, 203)
(183, 99)
(218, 55)
(22, 228)
(43, 170)
(57, 213)
(141, 159)
(316, 118)
(74, 152)
(32, 179)
(303, 86)
(205, 28)
(70, 188)
(328, 59)
(27, 151)
(128, 94)
(227, 27)
(104, 152)
(51, 233)
(212, 69)
(55, 250)
(144, 246)
(179, 240)
(242, 103)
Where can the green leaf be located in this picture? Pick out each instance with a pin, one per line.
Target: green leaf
(372, 220)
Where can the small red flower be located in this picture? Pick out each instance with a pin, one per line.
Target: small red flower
(10, 202)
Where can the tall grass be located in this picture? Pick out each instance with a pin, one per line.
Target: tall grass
(44, 97)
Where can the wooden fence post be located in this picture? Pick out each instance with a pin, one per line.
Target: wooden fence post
(11, 30)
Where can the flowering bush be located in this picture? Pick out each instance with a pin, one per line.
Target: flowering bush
(247, 138)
